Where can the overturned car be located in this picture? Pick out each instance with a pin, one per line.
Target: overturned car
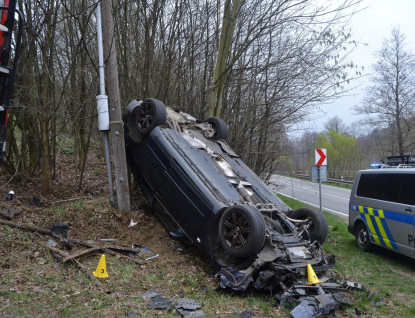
(205, 194)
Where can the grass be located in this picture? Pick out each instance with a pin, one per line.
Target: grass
(382, 271)
(33, 284)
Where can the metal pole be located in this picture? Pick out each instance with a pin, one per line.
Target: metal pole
(102, 93)
(319, 185)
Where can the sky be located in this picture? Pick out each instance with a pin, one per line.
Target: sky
(370, 26)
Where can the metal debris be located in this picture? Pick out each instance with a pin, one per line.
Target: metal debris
(108, 240)
(150, 294)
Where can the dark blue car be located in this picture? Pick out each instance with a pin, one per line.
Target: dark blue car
(205, 194)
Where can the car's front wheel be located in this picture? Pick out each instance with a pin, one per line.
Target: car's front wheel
(362, 238)
(242, 231)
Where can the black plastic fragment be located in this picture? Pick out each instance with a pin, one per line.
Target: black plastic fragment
(234, 279)
(191, 314)
(244, 314)
(59, 229)
(10, 213)
(36, 202)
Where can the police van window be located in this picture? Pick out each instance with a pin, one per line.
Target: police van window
(399, 188)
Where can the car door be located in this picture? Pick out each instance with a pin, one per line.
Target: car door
(388, 209)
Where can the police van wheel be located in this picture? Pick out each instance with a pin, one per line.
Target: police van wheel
(362, 238)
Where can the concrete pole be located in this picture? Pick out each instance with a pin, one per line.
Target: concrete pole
(116, 126)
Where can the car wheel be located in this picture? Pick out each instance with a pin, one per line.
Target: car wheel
(149, 114)
(362, 238)
(319, 228)
(220, 127)
(242, 231)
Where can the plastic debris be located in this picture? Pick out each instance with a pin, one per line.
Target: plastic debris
(36, 202)
(234, 279)
(187, 304)
(191, 314)
(244, 314)
(352, 285)
(10, 213)
(132, 223)
(10, 195)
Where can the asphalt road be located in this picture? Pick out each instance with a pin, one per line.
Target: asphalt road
(334, 200)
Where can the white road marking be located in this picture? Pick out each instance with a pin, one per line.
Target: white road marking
(341, 214)
(315, 191)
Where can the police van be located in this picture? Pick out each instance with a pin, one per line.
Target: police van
(382, 206)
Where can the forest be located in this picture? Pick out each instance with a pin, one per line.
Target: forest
(261, 65)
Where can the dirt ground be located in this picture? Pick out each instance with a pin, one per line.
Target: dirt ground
(34, 284)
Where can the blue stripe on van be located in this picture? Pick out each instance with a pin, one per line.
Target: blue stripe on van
(394, 216)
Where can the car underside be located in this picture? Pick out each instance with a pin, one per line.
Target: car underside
(206, 195)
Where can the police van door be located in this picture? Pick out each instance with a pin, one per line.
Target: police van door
(387, 206)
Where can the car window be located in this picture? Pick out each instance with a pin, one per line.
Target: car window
(399, 188)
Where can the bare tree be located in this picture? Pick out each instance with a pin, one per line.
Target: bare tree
(390, 101)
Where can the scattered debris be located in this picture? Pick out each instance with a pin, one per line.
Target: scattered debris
(36, 202)
(152, 257)
(244, 314)
(191, 314)
(150, 294)
(132, 223)
(352, 285)
(187, 304)
(377, 303)
(161, 303)
(10, 195)
(10, 213)
(234, 279)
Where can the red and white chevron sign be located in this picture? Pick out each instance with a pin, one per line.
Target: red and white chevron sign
(321, 157)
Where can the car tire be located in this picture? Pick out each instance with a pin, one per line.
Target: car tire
(362, 238)
(220, 127)
(242, 231)
(149, 114)
(319, 229)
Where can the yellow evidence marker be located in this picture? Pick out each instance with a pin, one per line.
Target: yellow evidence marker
(312, 277)
(101, 270)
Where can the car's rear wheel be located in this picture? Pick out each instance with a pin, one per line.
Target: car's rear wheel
(319, 228)
(242, 231)
(219, 126)
(363, 238)
(149, 114)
